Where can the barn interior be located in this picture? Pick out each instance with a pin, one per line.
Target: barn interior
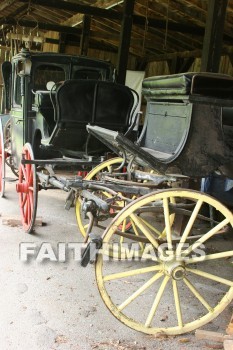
(142, 39)
(158, 37)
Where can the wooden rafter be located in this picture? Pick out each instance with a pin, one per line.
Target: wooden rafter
(78, 18)
(6, 3)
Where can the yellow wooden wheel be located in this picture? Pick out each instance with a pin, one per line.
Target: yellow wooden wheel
(179, 283)
(107, 166)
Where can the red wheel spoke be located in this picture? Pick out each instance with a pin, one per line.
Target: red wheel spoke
(28, 171)
(23, 171)
(25, 209)
(23, 201)
(30, 195)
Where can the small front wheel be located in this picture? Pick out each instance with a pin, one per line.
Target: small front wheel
(95, 174)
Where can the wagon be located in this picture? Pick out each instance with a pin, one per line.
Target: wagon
(49, 100)
(164, 266)
(162, 263)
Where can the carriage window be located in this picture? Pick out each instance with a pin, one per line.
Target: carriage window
(17, 97)
(87, 74)
(45, 73)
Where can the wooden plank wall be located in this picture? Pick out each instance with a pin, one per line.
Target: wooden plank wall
(51, 47)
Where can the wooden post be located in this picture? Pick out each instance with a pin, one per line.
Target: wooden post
(62, 42)
(212, 45)
(125, 35)
(84, 43)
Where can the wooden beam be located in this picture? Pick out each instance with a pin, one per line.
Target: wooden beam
(71, 6)
(170, 56)
(42, 26)
(123, 53)
(111, 14)
(227, 50)
(74, 20)
(212, 46)
(77, 18)
(6, 3)
(84, 43)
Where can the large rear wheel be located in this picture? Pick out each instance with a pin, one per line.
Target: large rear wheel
(179, 282)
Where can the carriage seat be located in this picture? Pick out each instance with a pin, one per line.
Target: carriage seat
(205, 84)
(45, 106)
(81, 102)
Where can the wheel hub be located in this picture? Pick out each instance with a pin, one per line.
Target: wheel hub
(175, 269)
(22, 187)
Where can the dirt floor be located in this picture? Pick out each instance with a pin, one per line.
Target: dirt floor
(56, 305)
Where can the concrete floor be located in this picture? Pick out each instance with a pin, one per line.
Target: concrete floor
(54, 305)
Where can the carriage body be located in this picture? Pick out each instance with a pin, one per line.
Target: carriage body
(188, 126)
(32, 108)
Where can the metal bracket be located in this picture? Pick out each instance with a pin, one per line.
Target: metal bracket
(90, 252)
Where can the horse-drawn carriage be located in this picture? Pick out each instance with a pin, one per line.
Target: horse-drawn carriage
(49, 125)
(162, 262)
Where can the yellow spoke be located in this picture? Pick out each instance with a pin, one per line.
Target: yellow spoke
(140, 291)
(189, 226)
(171, 219)
(209, 257)
(206, 236)
(145, 230)
(106, 194)
(197, 295)
(152, 228)
(211, 277)
(136, 233)
(123, 230)
(177, 303)
(124, 226)
(131, 273)
(167, 223)
(157, 301)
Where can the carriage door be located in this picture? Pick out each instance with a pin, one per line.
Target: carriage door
(17, 111)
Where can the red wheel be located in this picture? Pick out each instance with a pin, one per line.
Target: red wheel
(27, 190)
(2, 162)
